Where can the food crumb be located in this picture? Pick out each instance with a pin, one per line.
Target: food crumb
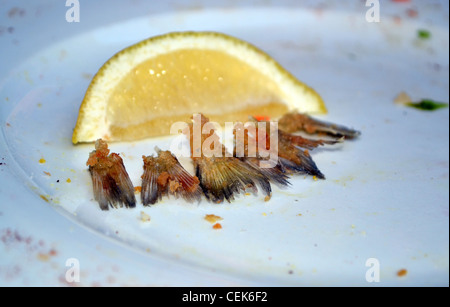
(402, 98)
(42, 160)
(137, 189)
(217, 226)
(213, 218)
(87, 76)
(267, 198)
(68, 180)
(315, 178)
(412, 13)
(261, 117)
(427, 105)
(265, 214)
(145, 217)
(43, 257)
(402, 272)
(423, 34)
(163, 178)
(16, 11)
(47, 173)
(174, 185)
(44, 197)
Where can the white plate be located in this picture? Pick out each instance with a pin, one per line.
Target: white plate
(383, 207)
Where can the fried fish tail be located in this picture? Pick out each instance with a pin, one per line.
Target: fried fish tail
(111, 184)
(247, 149)
(221, 175)
(164, 175)
(299, 161)
(180, 183)
(305, 143)
(274, 174)
(150, 193)
(293, 122)
(291, 158)
(221, 178)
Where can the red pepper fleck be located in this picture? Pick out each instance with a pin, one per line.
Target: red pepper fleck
(261, 117)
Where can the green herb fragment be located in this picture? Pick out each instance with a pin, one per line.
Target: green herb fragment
(423, 34)
(427, 105)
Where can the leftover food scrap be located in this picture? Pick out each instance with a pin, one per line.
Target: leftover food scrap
(224, 174)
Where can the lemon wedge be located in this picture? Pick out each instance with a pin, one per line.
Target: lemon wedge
(143, 89)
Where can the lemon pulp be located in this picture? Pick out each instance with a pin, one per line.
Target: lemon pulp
(173, 84)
